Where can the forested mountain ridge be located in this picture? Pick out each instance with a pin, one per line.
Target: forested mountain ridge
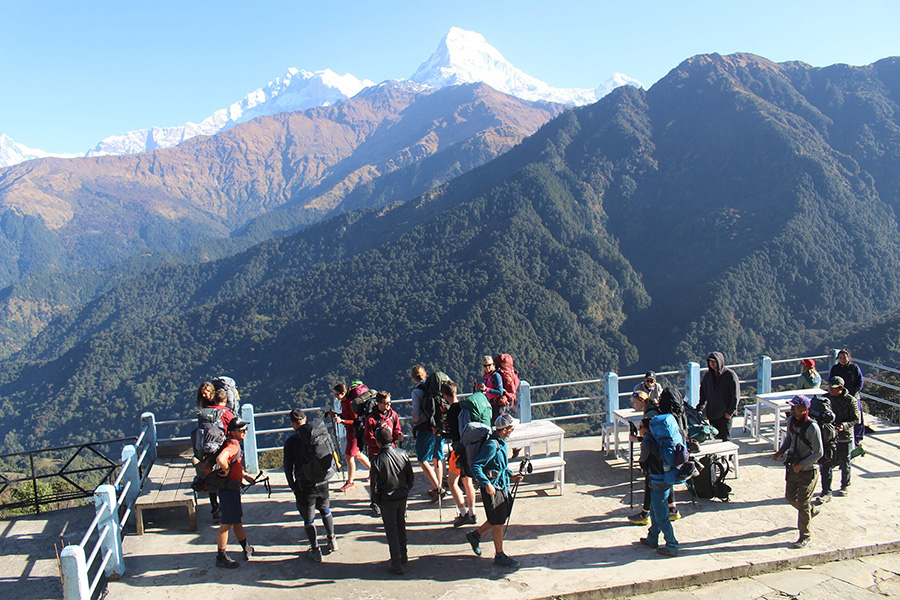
(738, 205)
(211, 197)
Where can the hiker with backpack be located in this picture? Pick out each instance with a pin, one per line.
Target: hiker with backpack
(492, 386)
(205, 394)
(391, 480)
(233, 398)
(720, 391)
(491, 470)
(802, 449)
(208, 438)
(381, 417)
(229, 464)
(428, 421)
(665, 458)
(308, 467)
(642, 402)
(349, 419)
(846, 416)
(850, 372)
(458, 471)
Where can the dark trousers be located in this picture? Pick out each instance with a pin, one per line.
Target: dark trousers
(798, 491)
(840, 459)
(393, 515)
(723, 425)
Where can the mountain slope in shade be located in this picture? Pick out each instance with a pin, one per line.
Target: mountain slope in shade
(466, 57)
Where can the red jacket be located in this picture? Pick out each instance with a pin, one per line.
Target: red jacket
(375, 420)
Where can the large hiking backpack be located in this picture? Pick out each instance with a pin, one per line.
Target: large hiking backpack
(820, 411)
(698, 428)
(433, 406)
(672, 402)
(503, 363)
(234, 398)
(710, 482)
(478, 406)
(318, 454)
(362, 401)
(208, 478)
(473, 438)
(673, 453)
(207, 439)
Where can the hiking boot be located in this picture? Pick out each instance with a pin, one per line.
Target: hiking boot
(674, 515)
(376, 510)
(641, 518)
(649, 544)
(224, 561)
(332, 545)
(506, 561)
(347, 486)
(471, 519)
(248, 552)
(475, 540)
(314, 554)
(665, 551)
(801, 543)
(396, 569)
(460, 521)
(823, 498)
(814, 512)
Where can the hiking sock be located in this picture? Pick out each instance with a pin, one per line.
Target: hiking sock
(221, 552)
(311, 534)
(328, 521)
(243, 544)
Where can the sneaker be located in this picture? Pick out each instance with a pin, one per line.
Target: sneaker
(396, 569)
(823, 498)
(506, 561)
(841, 492)
(347, 486)
(224, 561)
(433, 496)
(471, 519)
(665, 551)
(460, 521)
(649, 544)
(674, 515)
(248, 552)
(475, 540)
(641, 518)
(332, 545)
(801, 543)
(314, 554)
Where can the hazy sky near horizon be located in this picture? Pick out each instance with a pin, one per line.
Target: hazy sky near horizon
(74, 73)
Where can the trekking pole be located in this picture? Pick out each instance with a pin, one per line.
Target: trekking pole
(525, 467)
(631, 473)
(337, 443)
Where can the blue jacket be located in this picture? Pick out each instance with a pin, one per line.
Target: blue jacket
(491, 465)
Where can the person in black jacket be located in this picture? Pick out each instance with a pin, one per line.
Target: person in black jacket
(850, 372)
(720, 391)
(311, 496)
(846, 416)
(391, 478)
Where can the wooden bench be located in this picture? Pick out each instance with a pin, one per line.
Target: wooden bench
(543, 444)
(168, 484)
(727, 450)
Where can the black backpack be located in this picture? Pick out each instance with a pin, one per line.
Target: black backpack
(820, 411)
(209, 436)
(672, 402)
(318, 453)
(710, 482)
(433, 407)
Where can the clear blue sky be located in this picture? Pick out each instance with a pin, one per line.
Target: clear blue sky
(75, 72)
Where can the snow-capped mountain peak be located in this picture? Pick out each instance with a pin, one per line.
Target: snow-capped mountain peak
(12, 152)
(466, 57)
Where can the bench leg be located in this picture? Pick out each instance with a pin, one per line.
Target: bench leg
(139, 520)
(192, 514)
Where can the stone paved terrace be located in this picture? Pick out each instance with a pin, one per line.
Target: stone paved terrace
(578, 545)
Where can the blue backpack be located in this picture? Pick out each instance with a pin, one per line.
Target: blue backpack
(673, 452)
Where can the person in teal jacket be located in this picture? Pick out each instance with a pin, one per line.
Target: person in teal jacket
(491, 470)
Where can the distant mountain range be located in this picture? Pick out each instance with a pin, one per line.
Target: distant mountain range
(461, 57)
(738, 205)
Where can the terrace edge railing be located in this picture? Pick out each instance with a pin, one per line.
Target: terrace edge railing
(113, 503)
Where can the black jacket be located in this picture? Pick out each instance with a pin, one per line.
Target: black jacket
(719, 392)
(391, 476)
(850, 373)
(298, 450)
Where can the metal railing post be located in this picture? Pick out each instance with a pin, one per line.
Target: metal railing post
(764, 375)
(73, 567)
(132, 474)
(612, 395)
(105, 504)
(148, 420)
(523, 398)
(251, 456)
(692, 383)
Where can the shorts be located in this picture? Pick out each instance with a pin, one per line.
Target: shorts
(458, 464)
(428, 446)
(352, 448)
(230, 507)
(312, 499)
(498, 515)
